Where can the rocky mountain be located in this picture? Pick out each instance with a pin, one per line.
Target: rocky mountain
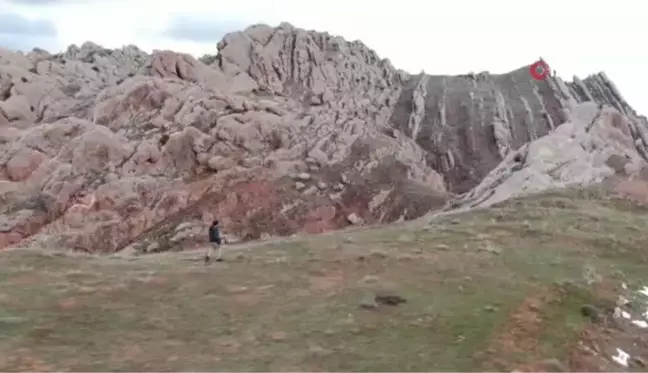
(283, 131)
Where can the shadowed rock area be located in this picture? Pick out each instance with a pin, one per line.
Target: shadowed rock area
(283, 131)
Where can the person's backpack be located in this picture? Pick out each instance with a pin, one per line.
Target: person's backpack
(214, 234)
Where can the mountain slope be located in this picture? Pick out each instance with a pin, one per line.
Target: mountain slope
(529, 284)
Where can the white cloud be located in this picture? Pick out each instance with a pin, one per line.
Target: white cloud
(451, 37)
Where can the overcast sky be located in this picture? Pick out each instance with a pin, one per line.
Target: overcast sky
(442, 37)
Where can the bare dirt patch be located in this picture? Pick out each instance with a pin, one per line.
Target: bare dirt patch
(531, 339)
(327, 281)
(518, 338)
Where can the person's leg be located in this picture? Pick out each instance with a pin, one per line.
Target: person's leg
(220, 252)
(208, 254)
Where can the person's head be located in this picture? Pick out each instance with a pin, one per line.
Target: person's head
(215, 222)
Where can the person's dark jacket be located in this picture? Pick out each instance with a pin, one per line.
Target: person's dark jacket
(214, 234)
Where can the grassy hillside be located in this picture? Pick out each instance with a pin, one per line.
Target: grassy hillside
(499, 289)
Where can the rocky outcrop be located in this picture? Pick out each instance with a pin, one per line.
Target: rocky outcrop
(101, 146)
(594, 145)
(468, 124)
(283, 131)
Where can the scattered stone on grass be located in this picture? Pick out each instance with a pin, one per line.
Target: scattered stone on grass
(591, 312)
(389, 299)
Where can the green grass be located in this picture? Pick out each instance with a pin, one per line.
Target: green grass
(294, 305)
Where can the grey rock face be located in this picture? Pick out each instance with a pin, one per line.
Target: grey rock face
(595, 144)
(468, 124)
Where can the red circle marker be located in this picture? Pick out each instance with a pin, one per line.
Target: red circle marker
(539, 70)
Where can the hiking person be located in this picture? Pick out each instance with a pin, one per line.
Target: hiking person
(214, 243)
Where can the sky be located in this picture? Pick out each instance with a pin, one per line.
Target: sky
(574, 37)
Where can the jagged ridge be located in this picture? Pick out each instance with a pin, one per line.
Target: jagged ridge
(284, 130)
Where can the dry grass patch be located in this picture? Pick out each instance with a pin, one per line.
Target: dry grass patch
(321, 302)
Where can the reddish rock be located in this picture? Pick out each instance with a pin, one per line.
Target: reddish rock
(163, 139)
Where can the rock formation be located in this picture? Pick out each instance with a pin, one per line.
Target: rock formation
(283, 131)
(468, 124)
(594, 145)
